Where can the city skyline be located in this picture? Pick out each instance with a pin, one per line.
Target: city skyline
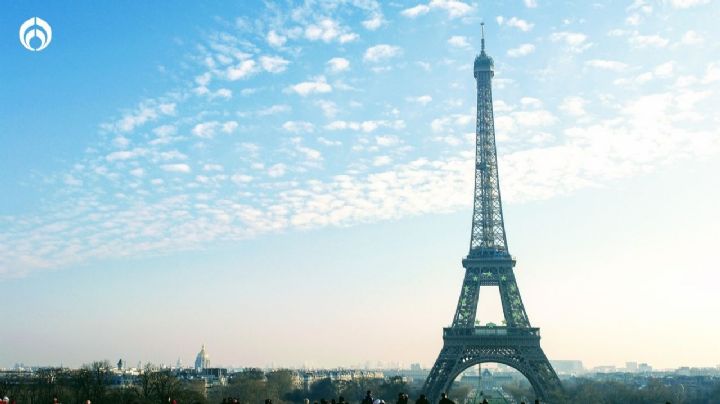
(291, 182)
(564, 367)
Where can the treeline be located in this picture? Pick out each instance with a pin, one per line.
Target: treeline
(254, 386)
(94, 382)
(654, 391)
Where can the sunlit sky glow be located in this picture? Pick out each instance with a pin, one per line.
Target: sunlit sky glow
(290, 183)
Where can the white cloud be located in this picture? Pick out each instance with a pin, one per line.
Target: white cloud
(318, 85)
(501, 83)
(212, 167)
(374, 22)
(382, 161)
(203, 79)
(575, 41)
(692, 38)
(329, 142)
(273, 64)
(459, 41)
(229, 126)
(273, 109)
(454, 8)
(146, 112)
(275, 39)
(515, 22)
(644, 41)
(126, 154)
(176, 168)
(688, 3)
(328, 30)
(337, 64)
(72, 181)
(530, 3)
(534, 118)
(413, 12)
(313, 156)
(365, 126)
(165, 130)
(664, 70)
(137, 172)
(220, 93)
(530, 102)
(574, 106)
(446, 124)
(381, 69)
(712, 73)
(522, 50)
(329, 108)
(223, 93)
(344, 38)
(606, 64)
(423, 99)
(617, 32)
(633, 19)
(661, 71)
(277, 170)
(241, 178)
(501, 106)
(241, 70)
(381, 52)
(387, 141)
(209, 129)
(298, 126)
(169, 155)
(121, 141)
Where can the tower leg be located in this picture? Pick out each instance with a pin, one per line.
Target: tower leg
(438, 381)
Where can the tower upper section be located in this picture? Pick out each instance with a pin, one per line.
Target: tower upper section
(488, 228)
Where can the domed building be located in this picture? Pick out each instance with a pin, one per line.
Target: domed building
(202, 361)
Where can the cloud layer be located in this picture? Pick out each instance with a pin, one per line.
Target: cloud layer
(321, 120)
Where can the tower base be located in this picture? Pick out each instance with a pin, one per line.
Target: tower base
(518, 348)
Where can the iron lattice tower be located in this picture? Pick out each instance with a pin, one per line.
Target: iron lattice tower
(465, 343)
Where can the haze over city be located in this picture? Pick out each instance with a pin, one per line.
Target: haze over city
(290, 184)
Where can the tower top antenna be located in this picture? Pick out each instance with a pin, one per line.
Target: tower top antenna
(482, 40)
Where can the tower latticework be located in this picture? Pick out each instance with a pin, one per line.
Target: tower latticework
(466, 342)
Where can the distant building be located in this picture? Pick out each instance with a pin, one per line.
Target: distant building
(568, 367)
(415, 374)
(644, 368)
(306, 378)
(631, 366)
(202, 361)
(604, 369)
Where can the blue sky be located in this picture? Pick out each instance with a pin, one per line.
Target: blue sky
(262, 176)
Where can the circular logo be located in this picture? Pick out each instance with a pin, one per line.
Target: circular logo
(38, 29)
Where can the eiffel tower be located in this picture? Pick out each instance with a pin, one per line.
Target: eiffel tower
(489, 263)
